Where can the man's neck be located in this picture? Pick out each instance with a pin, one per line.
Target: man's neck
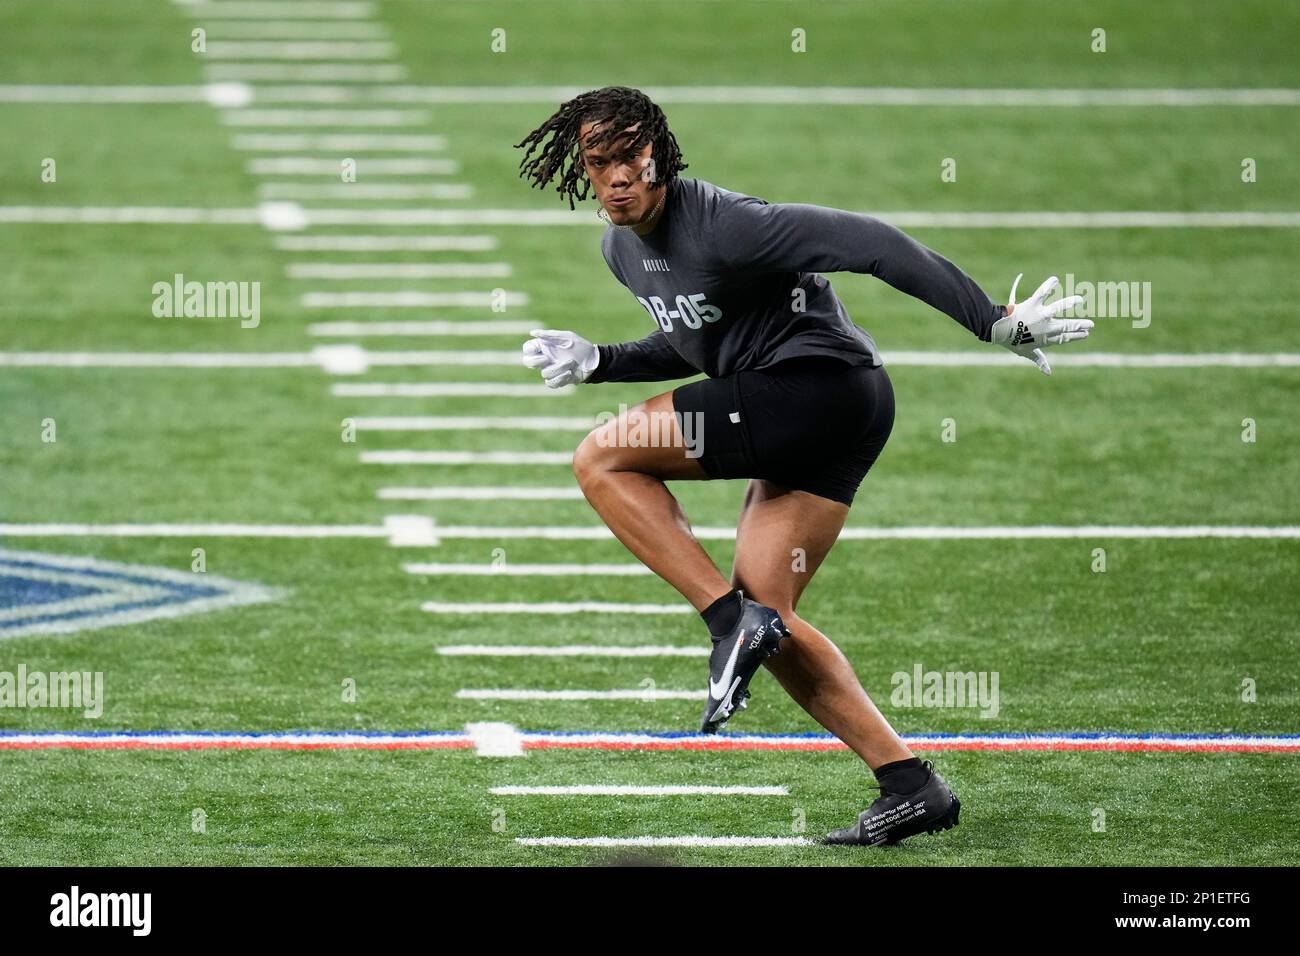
(645, 228)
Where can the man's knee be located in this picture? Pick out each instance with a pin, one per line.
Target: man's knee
(596, 456)
(588, 459)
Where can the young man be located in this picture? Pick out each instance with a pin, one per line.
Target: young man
(796, 400)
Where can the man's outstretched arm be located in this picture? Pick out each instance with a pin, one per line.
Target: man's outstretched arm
(750, 234)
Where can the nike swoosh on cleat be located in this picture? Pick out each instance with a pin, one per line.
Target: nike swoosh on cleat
(716, 689)
(724, 706)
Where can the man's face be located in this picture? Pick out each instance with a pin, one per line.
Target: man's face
(622, 177)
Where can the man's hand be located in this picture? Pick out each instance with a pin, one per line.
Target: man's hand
(1030, 326)
(564, 358)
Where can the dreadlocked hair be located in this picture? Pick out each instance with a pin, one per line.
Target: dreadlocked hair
(616, 108)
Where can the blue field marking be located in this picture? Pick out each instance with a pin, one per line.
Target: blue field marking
(18, 591)
(58, 594)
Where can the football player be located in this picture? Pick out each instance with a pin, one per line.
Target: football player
(795, 399)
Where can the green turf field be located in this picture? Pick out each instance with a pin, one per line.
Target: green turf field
(1162, 642)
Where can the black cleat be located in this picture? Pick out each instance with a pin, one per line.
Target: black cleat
(735, 659)
(893, 817)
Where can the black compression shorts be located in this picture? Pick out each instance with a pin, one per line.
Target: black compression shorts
(814, 424)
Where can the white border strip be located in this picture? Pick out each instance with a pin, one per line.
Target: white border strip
(397, 270)
(646, 694)
(255, 29)
(444, 390)
(412, 299)
(528, 570)
(483, 493)
(354, 243)
(664, 841)
(554, 607)
(442, 423)
(344, 143)
(307, 72)
(632, 790)
(301, 50)
(568, 650)
(273, 9)
(325, 166)
(285, 118)
(352, 330)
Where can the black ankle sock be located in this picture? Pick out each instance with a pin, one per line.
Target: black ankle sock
(721, 616)
(902, 776)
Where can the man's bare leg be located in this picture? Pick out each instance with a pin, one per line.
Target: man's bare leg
(774, 521)
(626, 487)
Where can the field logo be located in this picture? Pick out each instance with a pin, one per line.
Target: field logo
(58, 594)
(922, 688)
(179, 299)
(75, 908)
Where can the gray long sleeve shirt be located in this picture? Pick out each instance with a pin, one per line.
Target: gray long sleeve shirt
(732, 282)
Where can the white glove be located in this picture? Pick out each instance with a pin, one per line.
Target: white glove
(1033, 325)
(565, 358)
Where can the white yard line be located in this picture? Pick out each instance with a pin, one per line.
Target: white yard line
(482, 493)
(343, 143)
(528, 570)
(404, 457)
(399, 329)
(255, 29)
(442, 423)
(397, 243)
(214, 93)
(277, 9)
(150, 215)
(568, 650)
(445, 390)
(365, 167)
(508, 357)
(300, 50)
(411, 299)
(634, 790)
(646, 694)
(366, 191)
(398, 270)
(552, 607)
(324, 117)
(306, 72)
(664, 841)
(453, 217)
